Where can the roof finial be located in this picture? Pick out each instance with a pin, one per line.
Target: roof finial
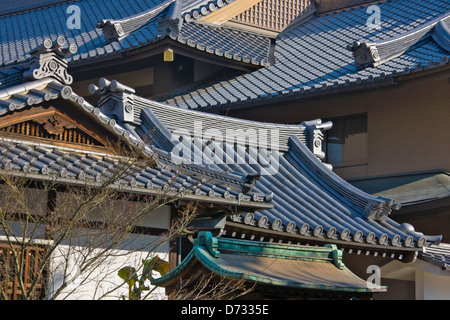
(115, 99)
(115, 30)
(47, 60)
(171, 24)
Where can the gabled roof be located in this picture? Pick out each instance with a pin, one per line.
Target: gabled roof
(310, 201)
(286, 267)
(109, 28)
(73, 164)
(296, 193)
(315, 57)
(22, 31)
(438, 255)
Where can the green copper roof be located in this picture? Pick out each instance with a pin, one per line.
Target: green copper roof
(296, 266)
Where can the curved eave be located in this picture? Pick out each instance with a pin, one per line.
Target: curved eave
(326, 272)
(242, 230)
(134, 184)
(355, 84)
(327, 208)
(323, 201)
(46, 89)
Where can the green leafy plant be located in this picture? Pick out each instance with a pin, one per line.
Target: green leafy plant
(135, 283)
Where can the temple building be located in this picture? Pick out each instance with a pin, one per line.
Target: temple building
(309, 134)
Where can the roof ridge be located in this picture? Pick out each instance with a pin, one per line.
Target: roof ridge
(372, 54)
(204, 8)
(331, 6)
(114, 30)
(45, 60)
(441, 34)
(374, 208)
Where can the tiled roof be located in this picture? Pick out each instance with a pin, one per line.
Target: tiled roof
(438, 255)
(278, 265)
(110, 27)
(24, 31)
(313, 57)
(76, 166)
(195, 9)
(225, 42)
(309, 200)
(298, 194)
(13, 6)
(44, 61)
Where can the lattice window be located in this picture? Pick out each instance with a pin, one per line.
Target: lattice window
(35, 129)
(275, 14)
(9, 281)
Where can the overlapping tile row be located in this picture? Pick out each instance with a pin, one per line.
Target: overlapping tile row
(309, 199)
(229, 43)
(12, 6)
(79, 168)
(30, 93)
(196, 9)
(312, 57)
(10, 75)
(76, 166)
(109, 27)
(438, 255)
(24, 31)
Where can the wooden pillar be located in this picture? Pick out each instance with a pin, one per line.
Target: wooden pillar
(173, 245)
(50, 215)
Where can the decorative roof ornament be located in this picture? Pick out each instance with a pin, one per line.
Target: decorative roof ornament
(315, 132)
(372, 54)
(441, 34)
(251, 180)
(48, 61)
(115, 99)
(115, 30)
(205, 239)
(365, 54)
(380, 208)
(111, 30)
(171, 24)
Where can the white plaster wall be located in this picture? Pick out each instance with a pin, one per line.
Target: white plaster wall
(430, 286)
(431, 282)
(97, 281)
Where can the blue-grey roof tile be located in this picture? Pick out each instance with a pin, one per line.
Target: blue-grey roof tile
(308, 197)
(315, 52)
(24, 30)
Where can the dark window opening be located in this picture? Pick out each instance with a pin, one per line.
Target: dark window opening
(346, 142)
